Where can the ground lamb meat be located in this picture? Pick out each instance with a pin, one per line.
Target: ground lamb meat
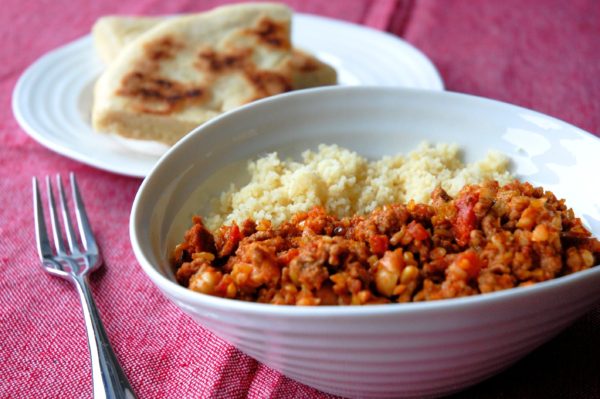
(488, 238)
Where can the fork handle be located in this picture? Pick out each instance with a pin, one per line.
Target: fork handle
(108, 378)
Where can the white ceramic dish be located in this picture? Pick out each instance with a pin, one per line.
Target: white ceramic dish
(396, 350)
(53, 98)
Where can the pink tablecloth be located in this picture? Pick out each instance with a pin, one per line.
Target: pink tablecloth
(540, 54)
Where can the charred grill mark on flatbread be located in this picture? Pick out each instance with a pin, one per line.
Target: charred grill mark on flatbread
(161, 49)
(264, 82)
(156, 94)
(268, 83)
(272, 33)
(213, 62)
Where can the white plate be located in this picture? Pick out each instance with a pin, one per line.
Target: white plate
(52, 99)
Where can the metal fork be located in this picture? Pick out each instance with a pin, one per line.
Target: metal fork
(75, 264)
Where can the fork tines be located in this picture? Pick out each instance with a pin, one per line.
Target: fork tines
(85, 232)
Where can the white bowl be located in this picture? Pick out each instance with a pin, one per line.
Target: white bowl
(396, 350)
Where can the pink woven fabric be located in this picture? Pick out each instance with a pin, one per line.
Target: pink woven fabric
(541, 54)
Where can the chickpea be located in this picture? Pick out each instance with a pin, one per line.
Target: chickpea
(540, 233)
(409, 274)
(388, 271)
(206, 256)
(205, 281)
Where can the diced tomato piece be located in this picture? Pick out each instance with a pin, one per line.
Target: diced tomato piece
(417, 230)
(379, 244)
(232, 237)
(465, 218)
(469, 262)
(221, 287)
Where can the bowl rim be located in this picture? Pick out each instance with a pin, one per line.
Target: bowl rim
(174, 290)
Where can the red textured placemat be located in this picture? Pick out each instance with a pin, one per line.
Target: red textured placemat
(540, 54)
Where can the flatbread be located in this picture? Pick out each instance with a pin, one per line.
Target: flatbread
(112, 33)
(167, 76)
